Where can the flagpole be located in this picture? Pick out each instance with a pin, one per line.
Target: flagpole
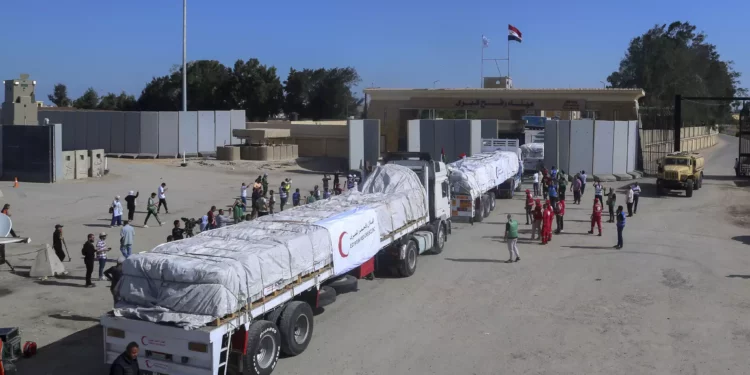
(481, 66)
(508, 57)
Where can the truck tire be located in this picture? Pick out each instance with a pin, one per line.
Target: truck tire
(263, 348)
(326, 296)
(296, 328)
(479, 209)
(274, 315)
(689, 188)
(441, 235)
(486, 199)
(700, 182)
(343, 284)
(492, 200)
(408, 265)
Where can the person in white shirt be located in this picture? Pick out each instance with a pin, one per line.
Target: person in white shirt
(631, 198)
(636, 193)
(243, 193)
(536, 183)
(163, 197)
(116, 209)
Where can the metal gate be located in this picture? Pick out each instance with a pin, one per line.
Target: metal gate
(744, 139)
(656, 135)
(28, 153)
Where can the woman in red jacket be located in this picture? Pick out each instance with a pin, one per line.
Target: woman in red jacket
(547, 223)
(596, 216)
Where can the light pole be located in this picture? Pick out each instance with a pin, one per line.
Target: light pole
(603, 84)
(184, 55)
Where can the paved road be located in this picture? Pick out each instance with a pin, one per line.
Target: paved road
(675, 300)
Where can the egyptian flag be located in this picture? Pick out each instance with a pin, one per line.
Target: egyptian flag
(514, 34)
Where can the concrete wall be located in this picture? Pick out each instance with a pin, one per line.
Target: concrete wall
(28, 153)
(144, 133)
(656, 144)
(620, 147)
(454, 137)
(312, 140)
(364, 143)
(604, 141)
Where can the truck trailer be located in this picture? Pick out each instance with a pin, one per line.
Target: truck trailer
(230, 300)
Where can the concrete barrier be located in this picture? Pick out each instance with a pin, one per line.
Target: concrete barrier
(263, 153)
(96, 159)
(228, 153)
(245, 152)
(69, 165)
(82, 164)
(276, 152)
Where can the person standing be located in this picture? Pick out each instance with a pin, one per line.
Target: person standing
(101, 253)
(536, 226)
(611, 201)
(631, 199)
(130, 204)
(545, 186)
(152, 210)
(326, 193)
(262, 206)
(296, 198)
(221, 220)
(620, 215)
(116, 212)
(177, 232)
(529, 206)
(6, 211)
(583, 182)
(547, 223)
(271, 202)
(264, 183)
(127, 236)
(163, 198)
(511, 237)
(127, 362)
(256, 195)
(89, 252)
(311, 198)
(536, 184)
(559, 213)
(576, 188)
(288, 186)
(283, 195)
(211, 218)
(204, 223)
(636, 194)
(562, 182)
(553, 173)
(553, 191)
(598, 192)
(316, 193)
(114, 274)
(57, 242)
(243, 193)
(237, 211)
(596, 217)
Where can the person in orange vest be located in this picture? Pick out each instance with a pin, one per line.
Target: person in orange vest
(596, 216)
(547, 223)
(536, 226)
(559, 213)
(529, 206)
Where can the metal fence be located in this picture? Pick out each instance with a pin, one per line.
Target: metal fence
(656, 137)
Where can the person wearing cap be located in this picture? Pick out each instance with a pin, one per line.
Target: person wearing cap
(114, 274)
(130, 204)
(101, 253)
(58, 241)
(511, 237)
(529, 207)
(116, 209)
(89, 253)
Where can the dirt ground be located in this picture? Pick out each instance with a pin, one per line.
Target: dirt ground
(675, 300)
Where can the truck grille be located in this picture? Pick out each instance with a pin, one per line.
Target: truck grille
(671, 175)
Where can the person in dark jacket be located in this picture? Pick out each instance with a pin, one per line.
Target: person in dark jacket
(89, 252)
(130, 204)
(114, 274)
(58, 241)
(126, 363)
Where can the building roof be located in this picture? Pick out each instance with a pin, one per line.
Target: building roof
(592, 94)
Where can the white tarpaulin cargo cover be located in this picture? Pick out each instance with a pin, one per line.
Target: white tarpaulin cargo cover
(193, 281)
(479, 173)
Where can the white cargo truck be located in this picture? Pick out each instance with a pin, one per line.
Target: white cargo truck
(230, 300)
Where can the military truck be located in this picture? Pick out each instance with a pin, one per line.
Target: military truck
(680, 171)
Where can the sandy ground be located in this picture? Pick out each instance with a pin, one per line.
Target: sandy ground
(675, 300)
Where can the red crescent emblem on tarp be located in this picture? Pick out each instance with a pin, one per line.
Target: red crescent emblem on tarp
(143, 340)
(341, 248)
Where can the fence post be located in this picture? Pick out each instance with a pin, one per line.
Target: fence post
(677, 121)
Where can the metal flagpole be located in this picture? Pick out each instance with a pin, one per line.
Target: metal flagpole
(184, 55)
(481, 68)
(508, 57)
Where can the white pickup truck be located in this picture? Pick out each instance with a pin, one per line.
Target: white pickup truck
(249, 340)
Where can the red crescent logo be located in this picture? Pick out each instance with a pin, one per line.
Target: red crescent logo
(148, 363)
(341, 249)
(143, 340)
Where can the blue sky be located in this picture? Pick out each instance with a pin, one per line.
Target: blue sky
(121, 45)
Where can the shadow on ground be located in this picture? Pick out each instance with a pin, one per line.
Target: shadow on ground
(743, 239)
(738, 276)
(475, 260)
(79, 353)
(75, 318)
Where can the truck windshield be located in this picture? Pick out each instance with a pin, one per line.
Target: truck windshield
(677, 162)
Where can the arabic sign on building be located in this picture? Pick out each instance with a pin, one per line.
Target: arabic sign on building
(497, 103)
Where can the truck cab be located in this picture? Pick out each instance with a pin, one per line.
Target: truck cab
(680, 171)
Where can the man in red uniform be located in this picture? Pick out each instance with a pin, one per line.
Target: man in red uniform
(547, 223)
(536, 227)
(529, 207)
(559, 213)
(596, 217)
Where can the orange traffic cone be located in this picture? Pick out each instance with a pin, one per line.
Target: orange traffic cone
(15, 184)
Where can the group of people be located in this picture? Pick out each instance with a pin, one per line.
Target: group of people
(153, 206)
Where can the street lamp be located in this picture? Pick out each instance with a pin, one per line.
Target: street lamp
(603, 84)
(184, 55)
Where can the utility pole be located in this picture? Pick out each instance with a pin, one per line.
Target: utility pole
(184, 55)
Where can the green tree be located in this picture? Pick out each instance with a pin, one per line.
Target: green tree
(59, 96)
(256, 88)
(121, 102)
(675, 59)
(89, 100)
(322, 93)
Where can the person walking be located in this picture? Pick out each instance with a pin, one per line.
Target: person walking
(536, 226)
(536, 184)
(631, 199)
(596, 217)
(547, 223)
(283, 195)
(598, 192)
(611, 201)
(243, 193)
(562, 182)
(152, 210)
(262, 206)
(127, 236)
(271, 202)
(163, 198)
(101, 253)
(583, 182)
(177, 232)
(559, 214)
(552, 191)
(114, 274)
(620, 215)
(58, 241)
(127, 362)
(636, 194)
(296, 198)
(6, 211)
(529, 206)
(130, 204)
(89, 253)
(575, 187)
(116, 209)
(511, 237)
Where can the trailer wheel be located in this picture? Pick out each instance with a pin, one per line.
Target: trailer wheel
(326, 296)
(492, 200)
(408, 265)
(441, 235)
(479, 204)
(343, 284)
(486, 199)
(263, 348)
(689, 189)
(296, 326)
(274, 315)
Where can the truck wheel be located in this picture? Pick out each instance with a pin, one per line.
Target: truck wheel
(700, 181)
(326, 296)
(274, 315)
(486, 205)
(263, 348)
(441, 235)
(409, 264)
(296, 327)
(479, 210)
(689, 189)
(492, 200)
(344, 284)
